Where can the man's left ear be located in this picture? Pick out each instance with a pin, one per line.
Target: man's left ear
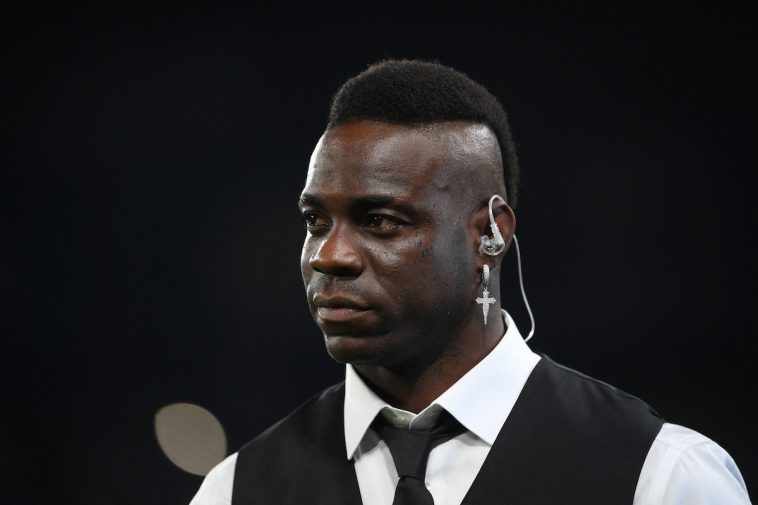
(495, 225)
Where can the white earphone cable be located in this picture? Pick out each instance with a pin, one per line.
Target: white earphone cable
(495, 245)
(521, 284)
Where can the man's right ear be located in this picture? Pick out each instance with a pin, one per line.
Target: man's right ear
(501, 221)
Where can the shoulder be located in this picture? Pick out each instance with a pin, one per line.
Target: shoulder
(591, 399)
(684, 466)
(305, 425)
(216, 488)
(274, 447)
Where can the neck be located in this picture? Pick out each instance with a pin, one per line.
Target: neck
(414, 386)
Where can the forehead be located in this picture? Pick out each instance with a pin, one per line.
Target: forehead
(368, 157)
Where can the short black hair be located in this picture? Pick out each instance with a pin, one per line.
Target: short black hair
(413, 92)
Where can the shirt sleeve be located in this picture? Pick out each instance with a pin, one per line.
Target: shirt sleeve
(684, 467)
(216, 489)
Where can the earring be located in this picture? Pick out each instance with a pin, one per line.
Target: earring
(485, 300)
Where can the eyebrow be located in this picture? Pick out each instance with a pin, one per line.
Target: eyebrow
(373, 201)
(306, 199)
(363, 203)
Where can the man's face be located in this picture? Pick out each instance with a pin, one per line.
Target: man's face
(388, 261)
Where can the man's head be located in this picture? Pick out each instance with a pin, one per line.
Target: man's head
(417, 93)
(394, 203)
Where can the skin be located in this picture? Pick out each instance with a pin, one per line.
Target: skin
(390, 261)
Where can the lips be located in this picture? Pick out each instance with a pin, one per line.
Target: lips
(338, 309)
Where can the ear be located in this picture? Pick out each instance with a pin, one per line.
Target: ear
(481, 226)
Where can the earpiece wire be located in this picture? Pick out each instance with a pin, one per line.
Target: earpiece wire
(521, 284)
(495, 236)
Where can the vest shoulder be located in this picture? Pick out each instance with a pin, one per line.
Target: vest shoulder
(589, 437)
(304, 425)
(599, 394)
(307, 447)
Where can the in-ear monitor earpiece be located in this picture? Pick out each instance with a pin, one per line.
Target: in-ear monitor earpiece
(495, 245)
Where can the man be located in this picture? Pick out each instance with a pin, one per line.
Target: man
(397, 204)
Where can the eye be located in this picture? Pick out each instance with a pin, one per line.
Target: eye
(382, 223)
(311, 220)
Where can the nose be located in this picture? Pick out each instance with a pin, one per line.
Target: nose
(338, 254)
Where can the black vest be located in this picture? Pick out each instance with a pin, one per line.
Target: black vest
(570, 439)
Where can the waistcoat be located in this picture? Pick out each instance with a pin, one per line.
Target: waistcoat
(569, 439)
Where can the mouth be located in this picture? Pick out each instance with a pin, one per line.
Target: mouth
(338, 314)
(338, 309)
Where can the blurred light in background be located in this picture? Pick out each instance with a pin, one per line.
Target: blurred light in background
(190, 436)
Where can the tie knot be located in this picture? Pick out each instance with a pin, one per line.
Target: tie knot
(410, 448)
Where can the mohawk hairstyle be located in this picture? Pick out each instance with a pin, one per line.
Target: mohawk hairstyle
(414, 93)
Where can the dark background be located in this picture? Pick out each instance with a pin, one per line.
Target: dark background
(154, 156)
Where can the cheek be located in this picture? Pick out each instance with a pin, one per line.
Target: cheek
(393, 263)
(447, 276)
(305, 257)
(448, 268)
(425, 271)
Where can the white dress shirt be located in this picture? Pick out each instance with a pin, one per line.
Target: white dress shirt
(682, 466)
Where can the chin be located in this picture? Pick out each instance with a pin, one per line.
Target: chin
(356, 350)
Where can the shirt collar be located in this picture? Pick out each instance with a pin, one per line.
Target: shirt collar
(481, 400)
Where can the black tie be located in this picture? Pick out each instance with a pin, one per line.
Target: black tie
(410, 451)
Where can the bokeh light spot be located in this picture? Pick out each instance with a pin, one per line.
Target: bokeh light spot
(190, 436)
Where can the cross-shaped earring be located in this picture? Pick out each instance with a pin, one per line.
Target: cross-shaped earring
(485, 300)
